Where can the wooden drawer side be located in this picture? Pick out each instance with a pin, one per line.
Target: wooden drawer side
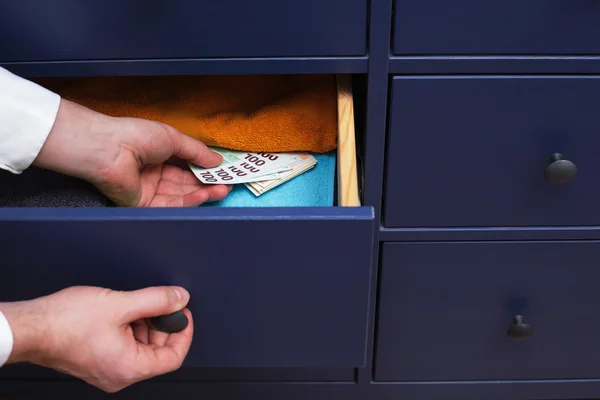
(347, 178)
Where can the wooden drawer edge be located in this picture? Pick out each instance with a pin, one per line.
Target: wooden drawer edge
(347, 178)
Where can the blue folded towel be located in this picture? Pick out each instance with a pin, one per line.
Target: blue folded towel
(314, 188)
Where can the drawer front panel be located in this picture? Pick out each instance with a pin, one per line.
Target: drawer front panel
(471, 27)
(473, 151)
(446, 309)
(272, 288)
(112, 29)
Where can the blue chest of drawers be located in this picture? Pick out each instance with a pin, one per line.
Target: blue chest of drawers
(467, 271)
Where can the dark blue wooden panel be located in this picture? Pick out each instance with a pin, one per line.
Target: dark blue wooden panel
(445, 309)
(194, 374)
(372, 142)
(206, 66)
(421, 65)
(269, 287)
(41, 30)
(69, 390)
(464, 27)
(154, 389)
(493, 233)
(471, 151)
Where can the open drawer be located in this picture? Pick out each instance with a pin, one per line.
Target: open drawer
(270, 286)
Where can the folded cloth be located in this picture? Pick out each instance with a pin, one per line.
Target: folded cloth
(313, 188)
(257, 113)
(37, 187)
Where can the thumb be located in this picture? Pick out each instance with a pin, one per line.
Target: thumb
(152, 302)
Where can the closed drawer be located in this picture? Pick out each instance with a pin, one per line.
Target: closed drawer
(471, 27)
(111, 29)
(270, 287)
(474, 151)
(446, 310)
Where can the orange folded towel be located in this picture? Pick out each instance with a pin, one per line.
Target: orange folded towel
(258, 113)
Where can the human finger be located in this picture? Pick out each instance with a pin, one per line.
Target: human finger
(199, 197)
(178, 175)
(172, 188)
(140, 331)
(157, 338)
(177, 189)
(151, 302)
(193, 199)
(176, 347)
(181, 341)
(177, 162)
(190, 149)
(159, 360)
(212, 193)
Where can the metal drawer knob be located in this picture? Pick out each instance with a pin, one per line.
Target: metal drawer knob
(559, 170)
(518, 330)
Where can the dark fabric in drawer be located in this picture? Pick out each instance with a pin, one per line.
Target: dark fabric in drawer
(37, 187)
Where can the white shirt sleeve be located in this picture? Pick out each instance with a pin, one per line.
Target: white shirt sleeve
(27, 114)
(6, 340)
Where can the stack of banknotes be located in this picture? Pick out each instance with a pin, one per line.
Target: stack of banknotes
(259, 172)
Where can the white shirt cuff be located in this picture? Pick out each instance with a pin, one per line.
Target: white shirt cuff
(27, 114)
(6, 340)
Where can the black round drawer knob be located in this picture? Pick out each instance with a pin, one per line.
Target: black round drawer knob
(559, 170)
(170, 323)
(519, 330)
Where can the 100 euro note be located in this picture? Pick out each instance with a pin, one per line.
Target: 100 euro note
(305, 163)
(242, 167)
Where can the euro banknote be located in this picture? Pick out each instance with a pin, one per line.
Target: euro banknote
(242, 167)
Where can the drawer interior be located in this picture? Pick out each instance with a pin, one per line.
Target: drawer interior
(242, 106)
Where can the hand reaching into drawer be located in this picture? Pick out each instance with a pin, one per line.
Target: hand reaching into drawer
(99, 335)
(125, 158)
(129, 159)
